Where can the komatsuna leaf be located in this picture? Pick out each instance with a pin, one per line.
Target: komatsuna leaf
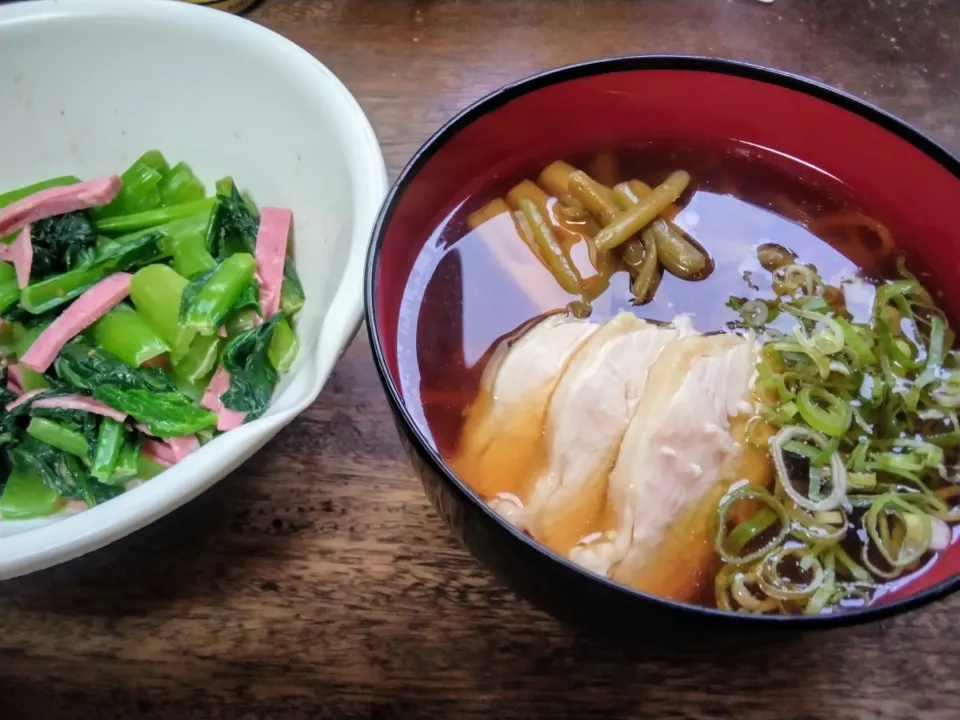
(87, 366)
(252, 376)
(61, 243)
(166, 414)
(61, 471)
(234, 227)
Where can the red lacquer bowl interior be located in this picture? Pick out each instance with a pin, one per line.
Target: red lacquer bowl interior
(912, 185)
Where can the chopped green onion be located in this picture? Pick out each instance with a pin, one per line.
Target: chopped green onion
(729, 546)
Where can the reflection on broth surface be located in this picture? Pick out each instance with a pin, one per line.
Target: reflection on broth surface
(698, 371)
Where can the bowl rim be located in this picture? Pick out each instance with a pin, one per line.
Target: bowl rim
(498, 98)
(38, 548)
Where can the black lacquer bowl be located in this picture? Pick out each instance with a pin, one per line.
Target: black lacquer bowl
(622, 100)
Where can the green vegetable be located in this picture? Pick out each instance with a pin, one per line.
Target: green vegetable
(140, 190)
(190, 256)
(824, 411)
(550, 252)
(59, 436)
(252, 375)
(153, 218)
(170, 234)
(647, 208)
(916, 532)
(208, 300)
(23, 338)
(199, 360)
(147, 468)
(43, 296)
(128, 461)
(9, 287)
(123, 333)
(292, 296)
(88, 367)
(284, 346)
(61, 243)
(154, 159)
(25, 496)
(48, 294)
(110, 442)
(157, 293)
(776, 584)
(730, 545)
(180, 185)
(772, 257)
(249, 299)
(678, 255)
(243, 320)
(235, 225)
(168, 414)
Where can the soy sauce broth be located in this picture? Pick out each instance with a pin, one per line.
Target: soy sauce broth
(460, 300)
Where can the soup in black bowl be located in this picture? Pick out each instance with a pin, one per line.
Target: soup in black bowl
(653, 351)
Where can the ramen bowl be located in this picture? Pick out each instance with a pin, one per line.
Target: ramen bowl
(605, 104)
(304, 144)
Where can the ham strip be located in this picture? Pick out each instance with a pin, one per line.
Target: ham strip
(57, 201)
(85, 311)
(81, 402)
(271, 253)
(227, 419)
(182, 446)
(219, 384)
(26, 397)
(158, 452)
(20, 253)
(14, 379)
(179, 447)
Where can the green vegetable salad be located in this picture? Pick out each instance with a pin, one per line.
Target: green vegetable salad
(139, 317)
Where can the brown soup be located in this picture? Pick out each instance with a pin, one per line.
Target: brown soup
(472, 288)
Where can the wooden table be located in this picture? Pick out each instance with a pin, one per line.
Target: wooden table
(317, 582)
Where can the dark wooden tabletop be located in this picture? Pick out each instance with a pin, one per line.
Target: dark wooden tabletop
(317, 582)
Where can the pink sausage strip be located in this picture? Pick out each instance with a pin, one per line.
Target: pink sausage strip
(175, 448)
(182, 446)
(20, 253)
(271, 253)
(227, 419)
(22, 399)
(57, 201)
(158, 452)
(85, 310)
(219, 384)
(14, 379)
(81, 402)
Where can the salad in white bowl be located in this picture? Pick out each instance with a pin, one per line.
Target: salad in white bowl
(159, 327)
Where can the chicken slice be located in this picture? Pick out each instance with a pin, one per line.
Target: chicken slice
(680, 453)
(500, 444)
(587, 416)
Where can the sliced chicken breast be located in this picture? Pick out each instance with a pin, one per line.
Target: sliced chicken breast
(680, 453)
(585, 421)
(500, 444)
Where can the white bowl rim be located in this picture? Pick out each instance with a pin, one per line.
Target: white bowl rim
(84, 532)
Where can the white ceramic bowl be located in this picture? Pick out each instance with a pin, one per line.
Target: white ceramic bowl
(86, 86)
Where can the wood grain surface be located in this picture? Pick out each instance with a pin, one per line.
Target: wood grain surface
(316, 582)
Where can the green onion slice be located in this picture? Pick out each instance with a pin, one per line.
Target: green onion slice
(838, 473)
